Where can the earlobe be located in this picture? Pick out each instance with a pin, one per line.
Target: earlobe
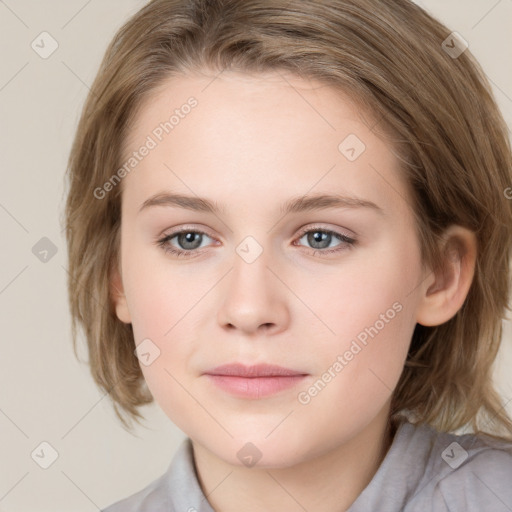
(442, 298)
(118, 297)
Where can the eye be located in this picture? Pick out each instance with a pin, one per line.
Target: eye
(190, 240)
(320, 239)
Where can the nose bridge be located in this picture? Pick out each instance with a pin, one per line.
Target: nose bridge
(252, 297)
(250, 272)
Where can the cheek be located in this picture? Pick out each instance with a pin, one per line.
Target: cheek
(163, 303)
(371, 320)
(159, 294)
(369, 289)
(358, 369)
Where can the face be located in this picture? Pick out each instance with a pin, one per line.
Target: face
(325, 289)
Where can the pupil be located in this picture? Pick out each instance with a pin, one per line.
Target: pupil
(318, 237)
(187, 240)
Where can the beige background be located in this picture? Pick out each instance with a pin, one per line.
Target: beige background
(46, 395)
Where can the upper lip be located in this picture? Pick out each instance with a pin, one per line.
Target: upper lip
(259, 370)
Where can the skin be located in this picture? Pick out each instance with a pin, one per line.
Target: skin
(252, 143)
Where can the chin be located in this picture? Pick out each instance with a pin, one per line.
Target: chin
(254, 451)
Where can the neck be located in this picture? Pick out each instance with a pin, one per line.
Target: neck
(330, 482)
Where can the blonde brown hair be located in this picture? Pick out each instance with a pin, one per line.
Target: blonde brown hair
(436, 108)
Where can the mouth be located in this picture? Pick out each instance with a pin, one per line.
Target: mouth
(254, 382)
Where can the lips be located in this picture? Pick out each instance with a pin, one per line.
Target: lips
(259, 370)
(254, 382)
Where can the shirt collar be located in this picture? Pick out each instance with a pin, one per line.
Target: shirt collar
(387, 484)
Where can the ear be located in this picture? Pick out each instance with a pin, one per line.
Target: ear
(444, 293)
(118, 296)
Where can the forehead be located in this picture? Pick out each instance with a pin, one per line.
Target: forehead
(258, 134)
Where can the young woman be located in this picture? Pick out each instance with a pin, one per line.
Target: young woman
(291, 228)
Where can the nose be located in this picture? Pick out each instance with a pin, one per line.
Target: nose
(254, 298)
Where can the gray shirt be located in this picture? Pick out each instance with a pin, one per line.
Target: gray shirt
(423, 471)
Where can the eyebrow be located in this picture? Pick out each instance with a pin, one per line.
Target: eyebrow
(294, 205)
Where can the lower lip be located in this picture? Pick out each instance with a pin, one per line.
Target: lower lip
(255, 387)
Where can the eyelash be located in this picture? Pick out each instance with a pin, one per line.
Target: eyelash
(168, 249)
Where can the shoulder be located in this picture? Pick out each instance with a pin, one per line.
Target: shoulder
(153, 497)
(471, 472)
(479, 475)
(435, 471)
(176, 489)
